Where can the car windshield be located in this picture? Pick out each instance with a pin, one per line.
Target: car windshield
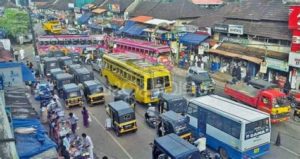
(281, 102)
(204, 76)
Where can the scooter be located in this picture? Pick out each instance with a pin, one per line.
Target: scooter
(297, 112)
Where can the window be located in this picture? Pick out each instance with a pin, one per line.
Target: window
(167, 81)
(192, 110)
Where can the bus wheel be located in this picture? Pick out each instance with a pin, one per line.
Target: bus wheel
(223, 153)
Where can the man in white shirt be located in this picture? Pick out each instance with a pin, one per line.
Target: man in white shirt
(22, 54)
(87, 143)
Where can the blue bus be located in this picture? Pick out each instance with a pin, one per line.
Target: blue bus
(234, 130)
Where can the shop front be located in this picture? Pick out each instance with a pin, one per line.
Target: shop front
(294, 73)
(278, 71)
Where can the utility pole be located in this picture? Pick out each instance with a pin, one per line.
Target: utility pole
(32, 32)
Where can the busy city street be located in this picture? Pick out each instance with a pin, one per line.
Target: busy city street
(149, 79)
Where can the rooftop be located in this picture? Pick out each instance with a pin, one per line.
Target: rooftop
(235, 110)
(123, 4)
(208, 2)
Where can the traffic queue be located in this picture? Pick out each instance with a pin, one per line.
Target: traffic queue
(207, 119)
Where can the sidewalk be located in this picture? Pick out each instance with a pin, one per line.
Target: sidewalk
(219, 76)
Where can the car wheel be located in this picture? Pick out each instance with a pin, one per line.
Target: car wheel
(118, 132)
(223, 153)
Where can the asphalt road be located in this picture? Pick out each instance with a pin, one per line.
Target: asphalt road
(136, 145)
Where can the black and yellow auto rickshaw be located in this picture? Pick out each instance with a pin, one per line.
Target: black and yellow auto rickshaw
(62, 79)
(126, 95)
(64, 61)
(172, 122)
(71, 68)
(94, 92)
(72, 95)
(48, 64)
(54, 72)
(82, 74)
(122, 116)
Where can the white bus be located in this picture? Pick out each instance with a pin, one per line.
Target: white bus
(234, 130)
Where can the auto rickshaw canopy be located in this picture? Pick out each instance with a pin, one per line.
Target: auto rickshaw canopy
(71, 87)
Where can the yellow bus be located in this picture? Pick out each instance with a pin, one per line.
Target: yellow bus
(128, 71)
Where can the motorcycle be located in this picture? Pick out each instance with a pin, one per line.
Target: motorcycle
(297, 112)
(151, 117)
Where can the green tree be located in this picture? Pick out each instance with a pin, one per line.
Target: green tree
(15, 21)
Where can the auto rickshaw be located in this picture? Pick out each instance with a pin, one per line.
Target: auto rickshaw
(75, 57)
(199, 82)
(72, 95)
(173, 147)
(56, 54)
(122, 116)
(127, 96)
(93, 92)
(73, 67)
(62, 79)
(81, 75)
(54, 72)
(49, 63)
(172, 122)
(174, 102)
(64, 61)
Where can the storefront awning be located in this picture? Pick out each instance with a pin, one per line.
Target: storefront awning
(26, 73)
(99, 10)
(192, 39)
(84, 18)
(141, 19)
(236, 55)
(135, 30)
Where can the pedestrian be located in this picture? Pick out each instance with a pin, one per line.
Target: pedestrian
(16, 54)
(104, 157)
(27, 64)
(30, 65)
(248, 77)
(238, 73)
(85, 116)
(287, 87)
(65, 153)
(51, 86)
(88, 144)
(73, 121)
(88, 57)
(22, 54)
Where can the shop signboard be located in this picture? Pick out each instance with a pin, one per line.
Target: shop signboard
(294, 59)
(277, 64)
(263, 67)
(11, 76)
(234, 40)
(235, 29)
(221, 28)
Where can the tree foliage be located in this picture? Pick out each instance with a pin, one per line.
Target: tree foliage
(15, 21)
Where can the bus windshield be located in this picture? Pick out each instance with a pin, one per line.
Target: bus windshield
(158, 82)
(257, 128)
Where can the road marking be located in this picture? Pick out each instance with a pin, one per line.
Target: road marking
(289, 150)
(114, 139)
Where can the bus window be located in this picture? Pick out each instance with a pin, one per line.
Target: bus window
(167, 81)
(89, 42)
(75, 42)
(83, 42)
(41, 43)
(61, 42)
(53, 42)
(95, 41)
(68, 42)
(46, 42)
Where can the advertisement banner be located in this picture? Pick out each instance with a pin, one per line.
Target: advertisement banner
(236, 29)
(294, 59)
(294, 12)
(277, 64)
(221, 28)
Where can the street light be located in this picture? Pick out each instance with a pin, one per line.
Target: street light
(32, 31)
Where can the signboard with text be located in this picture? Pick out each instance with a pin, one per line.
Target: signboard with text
(294, 59)
(221, 28)
(277, 64)
(235, 29)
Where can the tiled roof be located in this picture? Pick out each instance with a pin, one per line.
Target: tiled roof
(124, 4)
(260, 10)
(213, 16)
(169, 10)
(208, 2)
(270, 29)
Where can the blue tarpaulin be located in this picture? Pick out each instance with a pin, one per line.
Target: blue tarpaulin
(192, 39)
(135, 30)
(29, 145)
(95, 26)
(84, 18)
(26, 72)
(127, 25)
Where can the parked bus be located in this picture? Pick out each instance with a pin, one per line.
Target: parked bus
(72, 43)
(128, 71)
(233, 129)
(148, 50)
